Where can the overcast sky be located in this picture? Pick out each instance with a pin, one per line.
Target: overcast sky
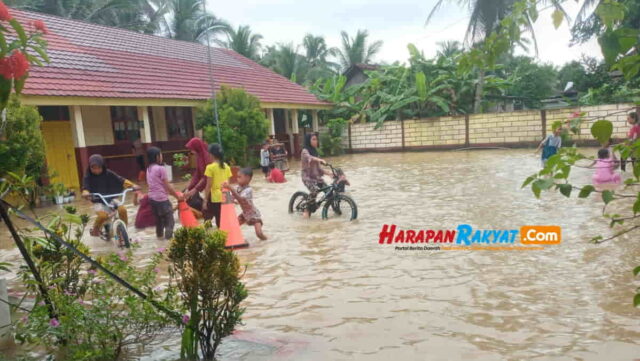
(395, 22)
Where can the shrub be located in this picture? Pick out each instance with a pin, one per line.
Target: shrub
(331, 142)
(22, 146)
(94, 317)
(242, 123)
(208, 277)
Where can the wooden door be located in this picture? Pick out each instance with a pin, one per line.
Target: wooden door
(61, 156)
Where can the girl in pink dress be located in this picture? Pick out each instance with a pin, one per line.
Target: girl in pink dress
(605, 169)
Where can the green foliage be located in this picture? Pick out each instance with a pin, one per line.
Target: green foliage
(529, 80)
(331, 142)
(242, 123)
(21, 144)
(181, 160)
(95, 318)
(243, 42)
(208, 277)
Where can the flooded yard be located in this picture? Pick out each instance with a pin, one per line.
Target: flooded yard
(326, 290)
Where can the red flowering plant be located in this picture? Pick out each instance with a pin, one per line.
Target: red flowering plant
(18, 50)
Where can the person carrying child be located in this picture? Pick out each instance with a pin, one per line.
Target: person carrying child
(159, 191)
(279, 157)
(605, 167)
(217, 173)
(244, 196)
(99, 179)
(275, 174)
(550, 145)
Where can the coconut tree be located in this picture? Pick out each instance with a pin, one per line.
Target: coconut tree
(285, 60)
(485, 19)
(449, 49)
(189, 22)
(356, 49)
(242, 41)
(317, 51)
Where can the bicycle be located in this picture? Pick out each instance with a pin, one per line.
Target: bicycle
(114, 228)
(333, 198)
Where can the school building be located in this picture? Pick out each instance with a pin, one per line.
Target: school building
(106, 87)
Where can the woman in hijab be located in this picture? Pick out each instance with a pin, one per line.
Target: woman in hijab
(198, 148)
(312, 171)
(99, 179)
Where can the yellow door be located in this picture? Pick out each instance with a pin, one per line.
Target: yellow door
(61, 156)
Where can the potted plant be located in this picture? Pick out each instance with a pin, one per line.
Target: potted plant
(58, 192)
(45, 195)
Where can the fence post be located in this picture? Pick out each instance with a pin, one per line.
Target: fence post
(543, 116)
(466, 131)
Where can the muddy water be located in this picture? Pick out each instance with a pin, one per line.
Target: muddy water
(326, 290)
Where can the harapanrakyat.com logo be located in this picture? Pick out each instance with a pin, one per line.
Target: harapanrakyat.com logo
(465, 238)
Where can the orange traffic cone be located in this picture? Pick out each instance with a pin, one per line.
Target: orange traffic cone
(187, 218)
(229, 222)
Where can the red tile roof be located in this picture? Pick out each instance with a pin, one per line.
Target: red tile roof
(89, 60)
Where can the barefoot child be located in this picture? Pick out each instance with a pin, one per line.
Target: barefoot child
(244, 195)
(99, 179)
(216, 174)
(159, 190)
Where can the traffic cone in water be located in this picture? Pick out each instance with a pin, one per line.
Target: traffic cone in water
(229, 222)
(187, 218)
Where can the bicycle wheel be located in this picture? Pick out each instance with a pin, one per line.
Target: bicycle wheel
(298, 202)
(121, 236)
(342, 206)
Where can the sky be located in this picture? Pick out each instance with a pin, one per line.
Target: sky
(395, 22)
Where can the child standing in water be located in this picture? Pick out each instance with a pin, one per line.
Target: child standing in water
(550, 145)
(99, 179)
(264, 159)
(275, 174)
(159, 190)
(244, 195)
(605, 168)
(217, 173)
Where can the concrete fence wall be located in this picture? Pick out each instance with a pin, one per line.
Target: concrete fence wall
(513, 129)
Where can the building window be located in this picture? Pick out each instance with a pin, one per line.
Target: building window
(126, 126)
(179, 122)
(53, 113)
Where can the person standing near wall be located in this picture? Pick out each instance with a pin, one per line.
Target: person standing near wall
(138, 152)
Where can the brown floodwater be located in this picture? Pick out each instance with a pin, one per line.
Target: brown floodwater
(326, 290)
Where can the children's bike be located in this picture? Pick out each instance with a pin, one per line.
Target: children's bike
(333, 202)
(114, 228)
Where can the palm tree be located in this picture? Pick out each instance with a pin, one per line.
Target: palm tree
(191, 23)
(285, 60)
(449, 49)
(486, 16)
(356, 50)
(317, 51)
(242, 41)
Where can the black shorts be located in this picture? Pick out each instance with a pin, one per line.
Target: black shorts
(265, 170)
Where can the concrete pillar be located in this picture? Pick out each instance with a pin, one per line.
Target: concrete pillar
(145, 132)
(314, 121)
(272, 122)
(295, 145)
(6, 338)
(77, 126)
(287, 122)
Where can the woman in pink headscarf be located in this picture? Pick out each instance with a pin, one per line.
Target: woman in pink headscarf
(198, 181)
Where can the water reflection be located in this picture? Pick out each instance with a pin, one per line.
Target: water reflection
(321, 290)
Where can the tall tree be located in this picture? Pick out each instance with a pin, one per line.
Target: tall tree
(356, 49)
(485, 19)
(317, 54)
(448, 49)
(285, 60)
(189, 21)
(243, 42)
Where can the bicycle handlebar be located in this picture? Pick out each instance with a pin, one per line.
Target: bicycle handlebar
(104, 197)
